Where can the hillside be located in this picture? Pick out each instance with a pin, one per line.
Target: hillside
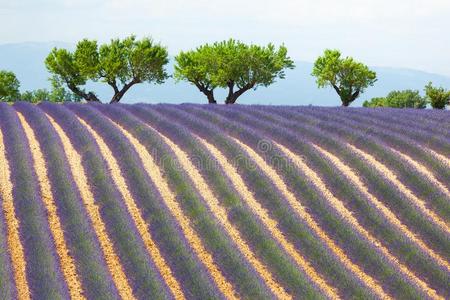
(211, 202)
(26, 60)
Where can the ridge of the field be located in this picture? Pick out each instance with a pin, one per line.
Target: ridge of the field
(223, 202)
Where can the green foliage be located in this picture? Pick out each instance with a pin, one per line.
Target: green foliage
(121, 64)
(66, 70)
(348, 77)
(406, 99)
(60, 94)
(35, 96)
(399, 99)
(9, 86)
(198, 67)
(437, 96)
(375, 102)
(232, 64)
(57, 94)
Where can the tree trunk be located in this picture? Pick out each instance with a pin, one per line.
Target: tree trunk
(209, 93)
(232, 97)
(90, 96)
(230, 100)
(211, 99)
(349, 99)
(119, 94)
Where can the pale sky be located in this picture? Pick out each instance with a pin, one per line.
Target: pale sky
(397, 33)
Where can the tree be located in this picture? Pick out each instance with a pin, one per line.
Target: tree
(55, 95)
(233, 65)
(65, 68)
(9, 86)
(375, 102)
(399, 99)
(120, 64)
(348, 77)
(406, 99)
(35, 96)
(198, 67)
(60, 94)
(437, 96)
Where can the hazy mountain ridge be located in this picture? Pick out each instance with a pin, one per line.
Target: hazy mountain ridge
(299, 88)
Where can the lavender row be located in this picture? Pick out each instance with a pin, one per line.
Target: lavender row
(7, 288)
(238, 212)
(429, 126)
(80, 238)
(359, 131)
(433, 138)
(383, 189)
(413, 119)
(356, 246)
(293, 227)
(164, 229)
(429, 119)
(227, 257)
(366, 214)
(376, 146)
(43, 270)
(121, 229)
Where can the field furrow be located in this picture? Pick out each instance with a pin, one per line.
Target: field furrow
(279, 135)
(221, 215)
(238, 211)
(405, 250)
(152, 248)
(43, 269)
(422, 169)
(223, 202)
(359, 132)
(155, 173)
(443, 159)
(65, 260)
(271, 198)
(347, 215)
(81, 240)
(424, 135)
(415, 201)
(138, 266)
(14, 244)
(385, 190)
(167, 235)
(79, 174)
(272, 225)
(406, 119)
(391, 217)
(7, 286)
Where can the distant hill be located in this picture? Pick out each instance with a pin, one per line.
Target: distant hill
(27, 61)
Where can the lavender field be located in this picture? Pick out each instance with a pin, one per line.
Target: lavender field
(223, 202)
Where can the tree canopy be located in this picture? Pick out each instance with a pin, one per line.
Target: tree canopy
(348, 77)
(233, 65)
(375, 102)
(437, 96)
(9, 86)
(120, 64)
(399, 99)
